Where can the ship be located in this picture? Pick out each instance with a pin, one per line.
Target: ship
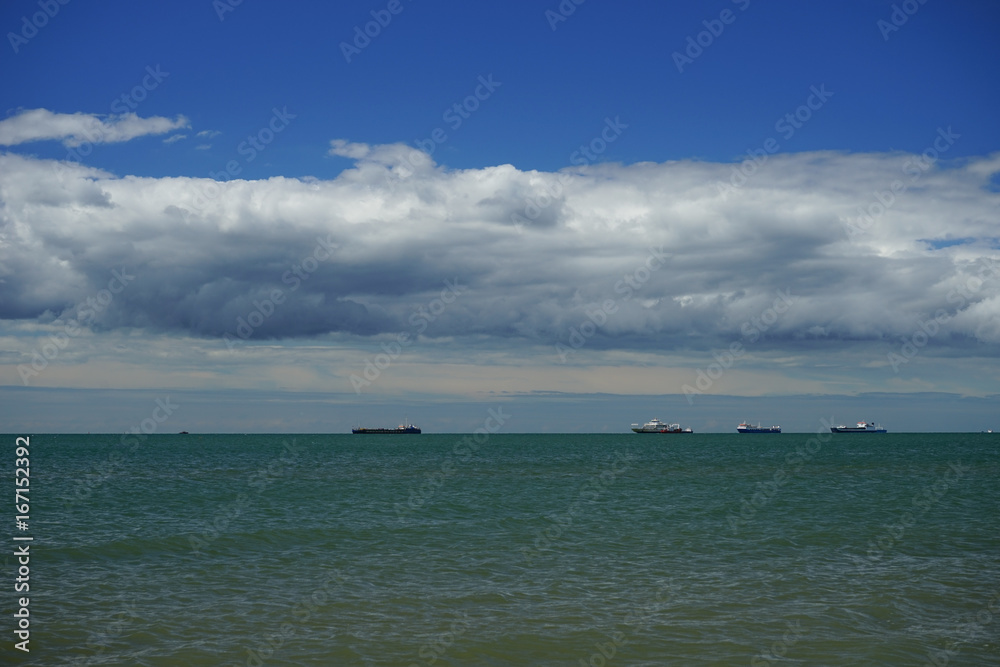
(746, 427)
(401, 429)
(862, 427)
(656, 426)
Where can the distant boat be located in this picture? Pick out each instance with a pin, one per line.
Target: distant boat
(656, 426)
(183, 433)
(862, 427)
(750, 428)
(401, 429)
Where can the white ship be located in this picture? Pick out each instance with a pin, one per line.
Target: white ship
(656, 426)
(862, 427)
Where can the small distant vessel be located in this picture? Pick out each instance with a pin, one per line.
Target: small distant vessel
(656, 426)
(746, 427)
(402, 428)
(862, 427)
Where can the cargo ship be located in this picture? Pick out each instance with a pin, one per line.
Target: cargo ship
(401, 429)
(862, 427)
(750, 428)
(656, 426)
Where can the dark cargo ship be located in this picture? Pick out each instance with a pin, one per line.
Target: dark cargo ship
(747, 427)
(402, 428)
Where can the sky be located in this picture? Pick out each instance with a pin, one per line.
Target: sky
(308, 216)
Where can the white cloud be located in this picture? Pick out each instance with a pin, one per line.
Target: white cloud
(208, 134)
(175, 138)
(79, 128)
(343, 148)
(535, 253)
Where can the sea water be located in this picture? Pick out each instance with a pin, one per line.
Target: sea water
(510, 549)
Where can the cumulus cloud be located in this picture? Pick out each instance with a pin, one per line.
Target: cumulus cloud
(534, 254)
(79, 128)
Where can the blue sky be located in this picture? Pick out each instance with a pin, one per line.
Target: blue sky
(557, 85)
(586, 168)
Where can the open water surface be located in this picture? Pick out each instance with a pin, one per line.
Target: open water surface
(518, 550)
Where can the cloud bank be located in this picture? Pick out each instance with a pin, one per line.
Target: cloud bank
(865, 247)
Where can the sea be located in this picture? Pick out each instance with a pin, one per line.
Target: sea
(506, 549)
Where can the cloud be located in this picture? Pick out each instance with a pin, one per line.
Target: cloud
(536, 254)
(79, 128)
(175, 138)
(208, 134)
(343, 148)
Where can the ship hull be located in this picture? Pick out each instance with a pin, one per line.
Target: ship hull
(412, 430)
(682, 430)
(775, 429)
(854, 429)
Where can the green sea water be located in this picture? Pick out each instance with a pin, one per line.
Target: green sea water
(514, 550)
